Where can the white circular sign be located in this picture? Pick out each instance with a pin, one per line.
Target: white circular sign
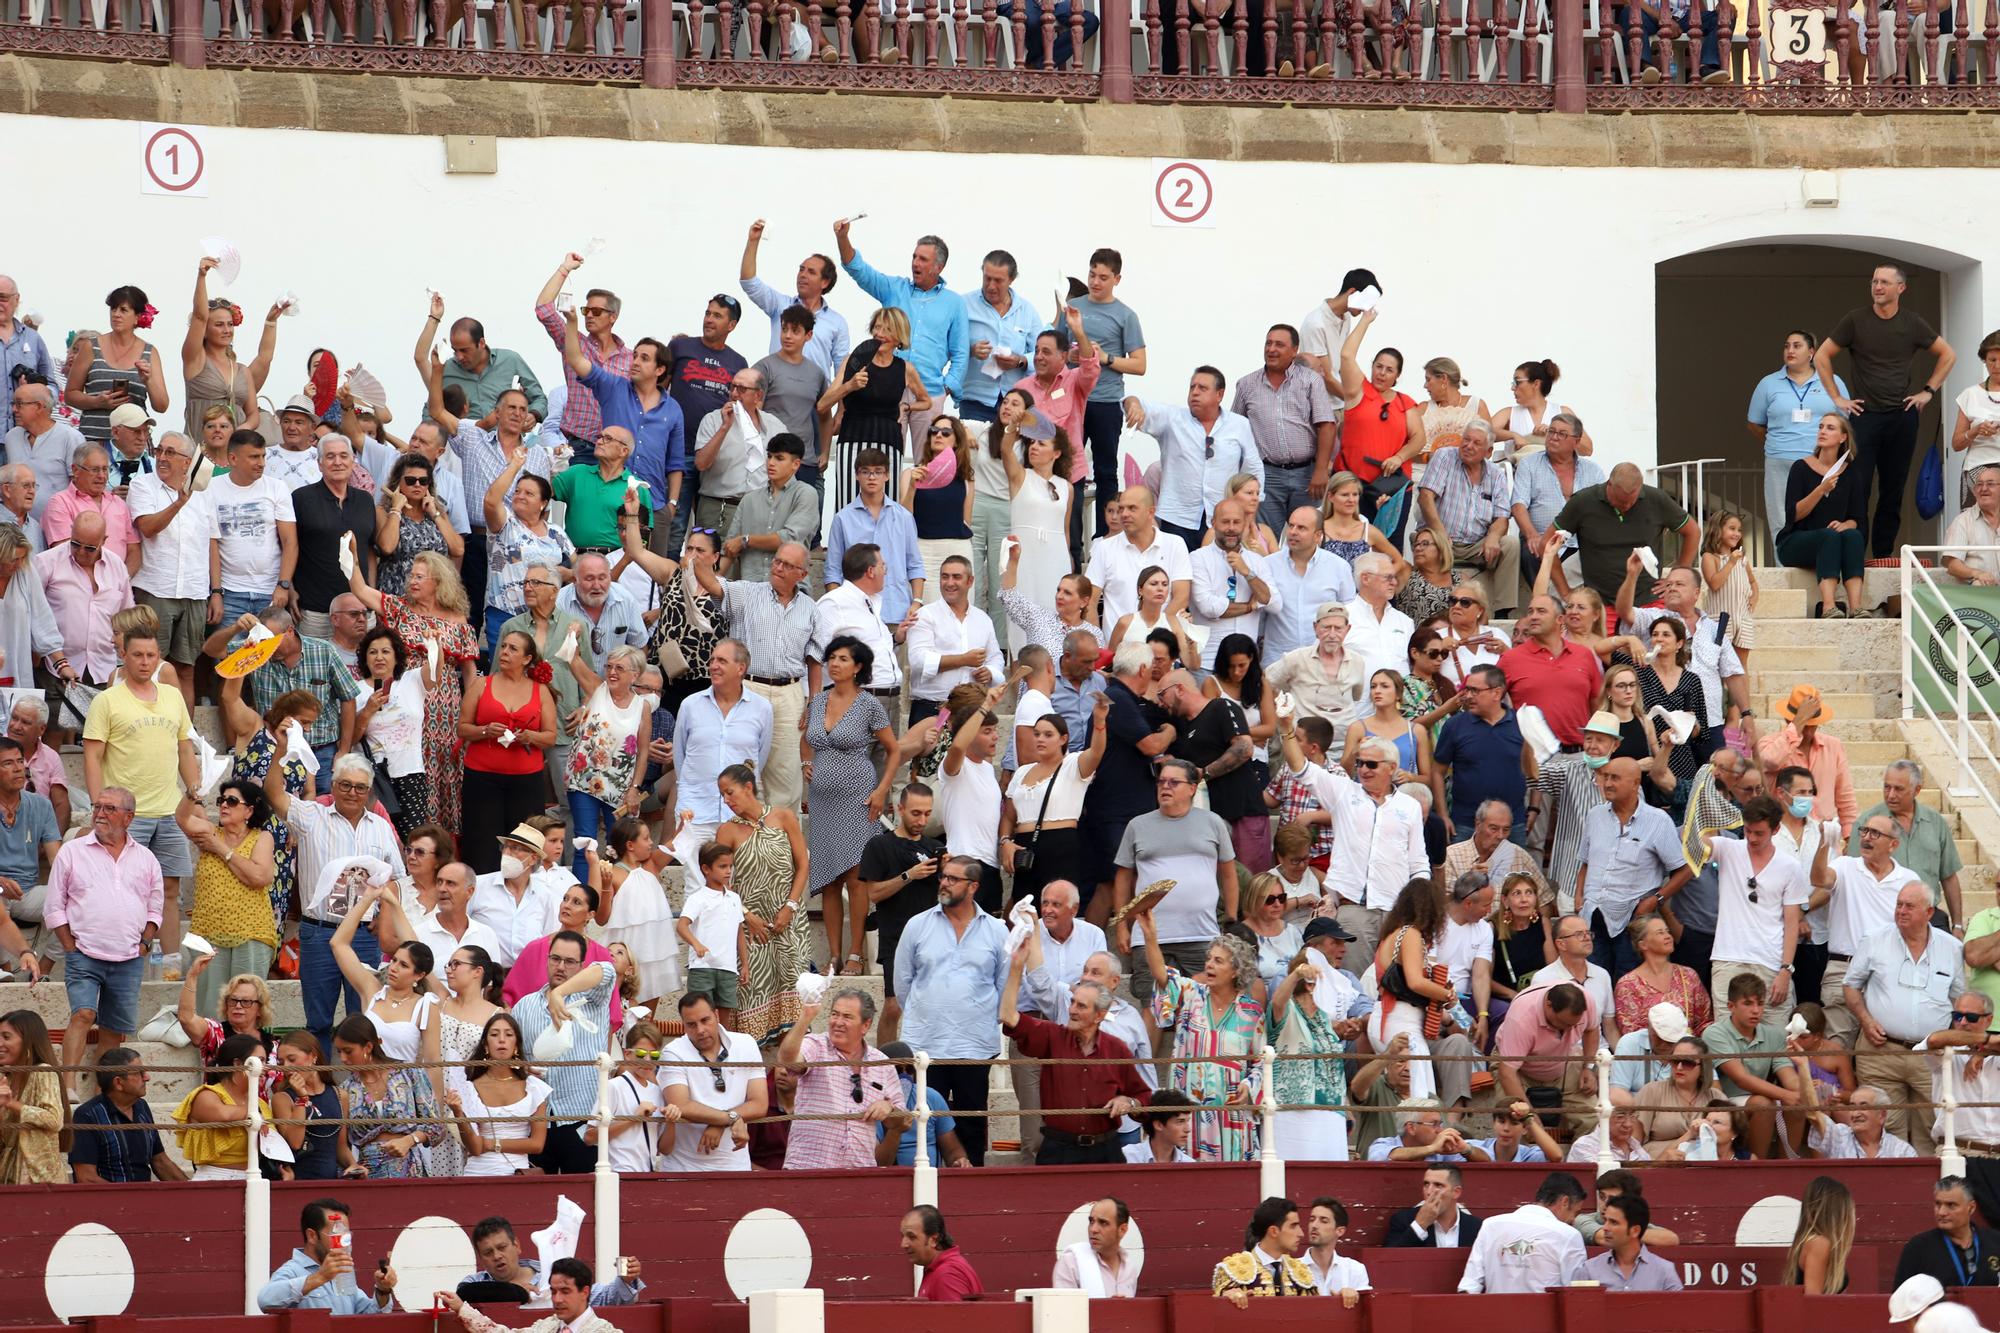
(431, 1254)
(767, 1251)
(1076, 1228)
(1184, 192)
(89, 1273)
(174, 160)
(1769, 1221)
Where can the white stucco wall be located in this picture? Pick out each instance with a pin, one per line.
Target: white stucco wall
(1487, 264)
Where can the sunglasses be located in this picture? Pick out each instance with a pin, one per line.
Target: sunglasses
(1385, 412)
(1207, 447)
(855, 1091)
(1370, 765)
(416, 481)
(1464, 601)
(230, 800)
(729, 303)
(1683, 1062)
(86, 550)
(940, 429)
(1435, 654)
(1751, 884)
(595, 310)
(1960, 1017)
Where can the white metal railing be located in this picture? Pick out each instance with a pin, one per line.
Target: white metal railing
(1968, 747)
(1692, 498)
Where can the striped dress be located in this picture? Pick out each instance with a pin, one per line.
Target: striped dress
(96, 424)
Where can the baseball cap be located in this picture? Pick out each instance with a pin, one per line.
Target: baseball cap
(130, 415)
(1325, 928)
(1667, 1021)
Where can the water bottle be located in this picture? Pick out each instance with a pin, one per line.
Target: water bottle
(340, 1236)
(156, 962)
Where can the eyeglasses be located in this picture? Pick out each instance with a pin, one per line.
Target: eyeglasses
(240, 1002)
(1573, 934)
(1464, 601)
(1172, 782)
(953, 879)
(538, 583)
(230, 800)
(353, 788)
(101, 470)
(111, 808)
(744, 388)
(1868, 834)
(86, 550)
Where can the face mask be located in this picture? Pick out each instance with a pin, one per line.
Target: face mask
(1596, 761)
(1801, 806)
(511, 867)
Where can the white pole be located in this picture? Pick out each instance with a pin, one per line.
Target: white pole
(1951, 1162)
(1271, 1167)
(1605, 1161)
(1909, 639)
(256, 1200)
(924, 1179)
(604, 1203)
(1961, 633)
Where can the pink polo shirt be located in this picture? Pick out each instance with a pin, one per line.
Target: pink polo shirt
(1528, 1042)
(1063, 402)
(84, 602)
(1826, 761)
(107, 901)
(66, 504)
(46, 772)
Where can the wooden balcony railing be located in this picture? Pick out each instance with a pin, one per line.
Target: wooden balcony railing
(1521, 55)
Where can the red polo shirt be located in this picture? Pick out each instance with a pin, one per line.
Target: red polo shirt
(950, 1278)
(1564, 686)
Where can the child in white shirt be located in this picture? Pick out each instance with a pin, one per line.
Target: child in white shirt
(711, 922)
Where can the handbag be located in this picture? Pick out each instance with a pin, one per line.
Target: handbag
(1024, 857)
(1930, 483)
(1398, 986)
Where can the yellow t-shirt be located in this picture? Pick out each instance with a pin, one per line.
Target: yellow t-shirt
(142, 744)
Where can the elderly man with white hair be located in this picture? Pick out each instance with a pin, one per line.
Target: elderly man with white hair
(1324, 678)
(18, 489)
(1067, 942)
(609, 614)
(46, 775)
(1860, 1129)
(40, 441)
(1377, 632)
(1469, 496)
(1975, 1120)
(172, 577)
(1421, 1136)
(1975, 527)
(1925, 844)
(1902, 985)
(89, 489)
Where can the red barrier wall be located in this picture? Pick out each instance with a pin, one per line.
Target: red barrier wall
(185, 1241)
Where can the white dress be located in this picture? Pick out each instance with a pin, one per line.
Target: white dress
(402, 1041)
(642, 919)
(1392, 1016)
(1040, 527)
(457, 1040)
(500, 1163)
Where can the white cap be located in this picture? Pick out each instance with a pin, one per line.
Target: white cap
(1667, 1021)
(1913, 1297)
(1948, 1317)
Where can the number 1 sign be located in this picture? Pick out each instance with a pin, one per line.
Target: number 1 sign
(173, 159)
(1797, 37)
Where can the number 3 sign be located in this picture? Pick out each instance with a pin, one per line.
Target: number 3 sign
(1798, 40)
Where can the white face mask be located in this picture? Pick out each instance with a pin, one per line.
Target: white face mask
(511, 867)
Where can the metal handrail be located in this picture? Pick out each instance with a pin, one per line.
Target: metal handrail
(1963, 739)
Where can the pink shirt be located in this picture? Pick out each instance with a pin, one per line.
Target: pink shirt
(1063, 401)
(46, 772)
(1528, 1042)
(66, 504)
(84, 601)
(830, 1091)
(1827, 762)
(106, 901)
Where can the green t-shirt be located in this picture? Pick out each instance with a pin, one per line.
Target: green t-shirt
(1724, 1042)
(592, 517)
(1985, 980)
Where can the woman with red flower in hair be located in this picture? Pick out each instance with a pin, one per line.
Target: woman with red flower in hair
(107, 370)
(508, 719)
(209, 367)
(431, 615)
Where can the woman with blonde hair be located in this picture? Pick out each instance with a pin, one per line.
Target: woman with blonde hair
(877, 391)
(1524, 940)
(938, 490)
(209, 368)
(218, 423)
(1345, 533)
(1247, 489)
(139, 616)
(433, 609)
(1817, 1260)
(1825, 518)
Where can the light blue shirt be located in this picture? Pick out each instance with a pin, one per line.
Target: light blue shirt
(706, 741)
(1379, 1151)
(895, 531)
(286, 1289)
(941, 1122)
(1523, 1152)
(1540, 492)
(1327, 579)
(938, 335)
(1910, 997)
(826, 346)
(573, 1088)
(1622, 864)
(950, 985)
(1774, 405)
(1196, 462)
(1013, 333)
(620, 622)
(24, 349)
(1634, 1074)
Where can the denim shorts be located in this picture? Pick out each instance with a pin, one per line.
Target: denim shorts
(112, 989)
(169, 846)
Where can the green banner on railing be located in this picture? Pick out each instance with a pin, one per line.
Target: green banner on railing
(1935, 638)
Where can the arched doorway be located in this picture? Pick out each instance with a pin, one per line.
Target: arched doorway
(1720, 318)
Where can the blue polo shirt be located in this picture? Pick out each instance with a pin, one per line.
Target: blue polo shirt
(659, 436)
(1790, 418)
(22, 838)
(1485, 759)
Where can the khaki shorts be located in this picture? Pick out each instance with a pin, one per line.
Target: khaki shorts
(183, 625)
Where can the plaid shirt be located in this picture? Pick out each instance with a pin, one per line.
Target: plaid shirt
(320, 672)
(1295, 802)
(826, 1089)
(1467, 508)
(582, 418)
(1286, 420)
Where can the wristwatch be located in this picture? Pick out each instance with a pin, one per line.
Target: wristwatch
(733, 1117)
(286, 584)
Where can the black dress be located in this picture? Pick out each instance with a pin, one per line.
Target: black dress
(870, 417)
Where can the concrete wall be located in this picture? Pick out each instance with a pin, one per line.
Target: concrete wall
(1488, 264)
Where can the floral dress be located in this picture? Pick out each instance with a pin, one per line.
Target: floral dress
(1182, 1007)
(444, 753)
(253, 765)
(1422, 600)
(414, 536)
(457, 1040)
(606, 749)
(1309, 1135)
(407, 1104)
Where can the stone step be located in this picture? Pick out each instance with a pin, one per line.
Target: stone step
(1775, 673)
(1842, 703)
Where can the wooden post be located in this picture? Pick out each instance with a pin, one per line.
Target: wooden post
(1569, 56)
(1114, 44)
(656, 43)
(185, 46)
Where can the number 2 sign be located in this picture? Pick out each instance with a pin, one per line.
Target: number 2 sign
(1183, 194)
(173, 160)
(1798, 39)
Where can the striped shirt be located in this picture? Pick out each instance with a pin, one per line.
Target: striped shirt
(826, 1088)
(324, 837)
(318, 672)
(484, 459)
(1568, 780)
(776, 633)
(124, 1154)
(1285, 420)
(581, 416)
(575, 1086)
(1467, 507)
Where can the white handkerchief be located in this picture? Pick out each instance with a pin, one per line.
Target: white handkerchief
(506, 737)
(297, 747)
(1364, 300)
(346, 550)
(811, 987)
